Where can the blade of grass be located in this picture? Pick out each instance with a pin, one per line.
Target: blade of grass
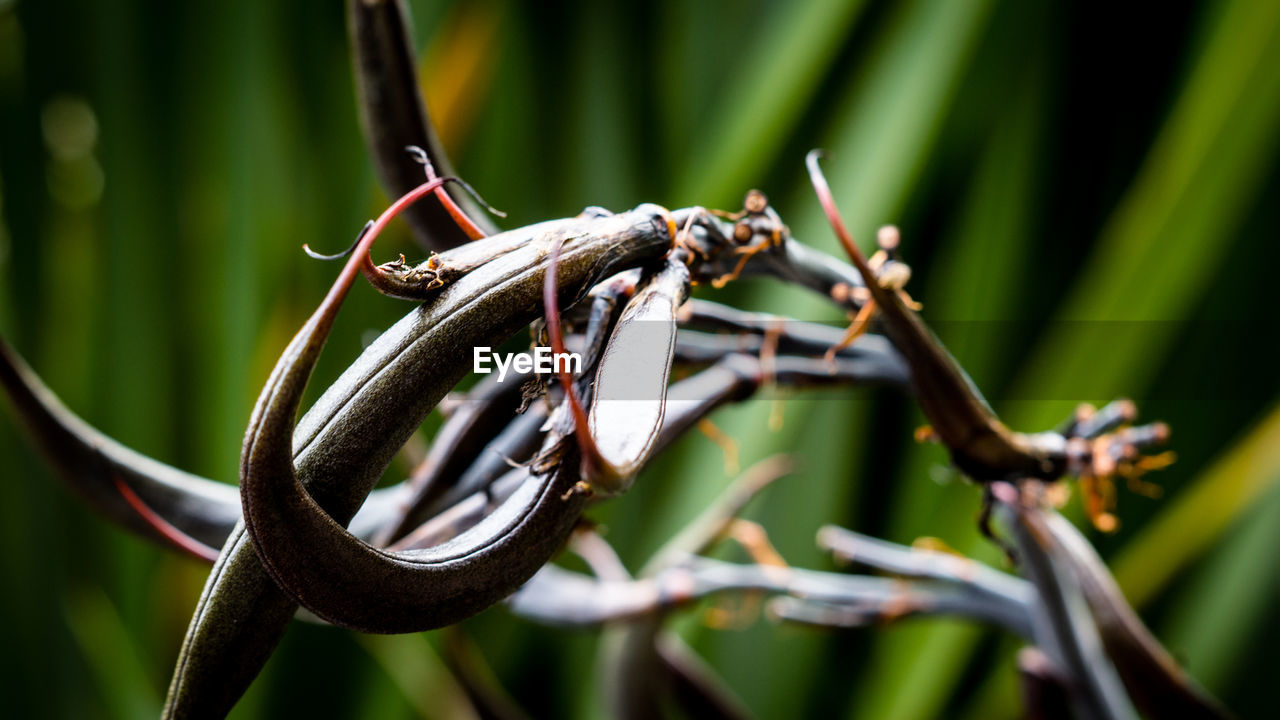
(112, 655)
(916, 668)
(888, 120)
(882, 131)
(601, 124)
(1176, 220)
(415, 668)
(766, 98)
(1216, 619)
(1198, 180)
(1193, 521)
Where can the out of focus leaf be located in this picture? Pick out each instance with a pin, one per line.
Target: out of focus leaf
(411, 662)
(1194, 520)
(112, 654)
(1213, 624)
(766, 97)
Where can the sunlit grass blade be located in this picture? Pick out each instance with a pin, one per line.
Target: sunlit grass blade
(883, 128)
(1192, 522)
(1215, 620)
(916, 668)
(885, 124)
(1160, 249)
(765, 99)
(1172, 231)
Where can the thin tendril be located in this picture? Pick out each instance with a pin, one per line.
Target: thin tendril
(338, 256)
(421, 156)
(434, 182)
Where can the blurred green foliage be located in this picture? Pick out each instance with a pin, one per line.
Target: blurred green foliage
(1088, 196)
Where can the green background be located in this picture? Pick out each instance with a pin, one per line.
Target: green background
(1088, 197)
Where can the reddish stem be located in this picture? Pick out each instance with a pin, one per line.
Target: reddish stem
(176, 537)
(823, 190)
(360, 257)
(592, 461)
